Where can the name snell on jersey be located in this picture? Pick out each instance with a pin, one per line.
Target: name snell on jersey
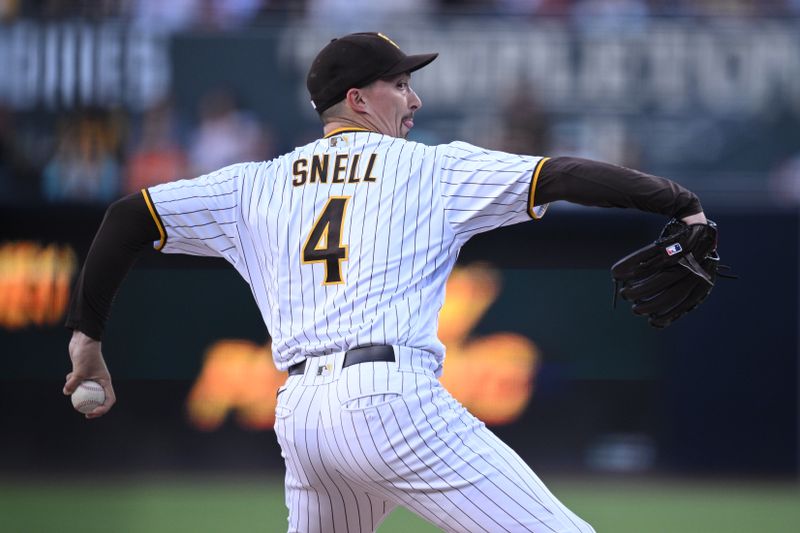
(344, 167)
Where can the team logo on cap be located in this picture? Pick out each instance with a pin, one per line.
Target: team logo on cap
(385, 38)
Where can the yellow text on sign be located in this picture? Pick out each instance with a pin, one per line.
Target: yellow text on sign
(34, 283)
(491, 375)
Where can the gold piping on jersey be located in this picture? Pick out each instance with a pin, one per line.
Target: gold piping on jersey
(156, 219)
(337, 131)
(534, 181)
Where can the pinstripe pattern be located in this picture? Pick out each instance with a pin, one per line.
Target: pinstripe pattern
(403, 233)
(389, 433)
(361, 440)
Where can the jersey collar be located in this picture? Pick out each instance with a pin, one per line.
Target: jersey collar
(337, 131)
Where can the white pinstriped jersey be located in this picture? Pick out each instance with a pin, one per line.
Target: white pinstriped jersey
(348, 240)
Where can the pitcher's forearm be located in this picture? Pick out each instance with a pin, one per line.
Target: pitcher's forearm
(127, 229)
(593, 183)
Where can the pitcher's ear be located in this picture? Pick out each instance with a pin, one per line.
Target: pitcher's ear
(355, 100)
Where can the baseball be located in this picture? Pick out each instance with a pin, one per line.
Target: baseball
(87, 396)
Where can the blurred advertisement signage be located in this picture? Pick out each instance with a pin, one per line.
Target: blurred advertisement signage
(492, 375)
(655, 65)
(34, 283)
(72, 64)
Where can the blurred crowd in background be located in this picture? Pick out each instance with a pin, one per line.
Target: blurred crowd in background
(99, 155)
(94, 154)
(184, 14)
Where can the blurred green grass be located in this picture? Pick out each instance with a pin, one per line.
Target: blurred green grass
(177, 505)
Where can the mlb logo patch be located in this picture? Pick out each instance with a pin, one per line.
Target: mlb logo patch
(335, 141)
(674, 249)
(324, 370)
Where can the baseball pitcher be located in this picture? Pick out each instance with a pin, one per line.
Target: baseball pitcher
(346, 243)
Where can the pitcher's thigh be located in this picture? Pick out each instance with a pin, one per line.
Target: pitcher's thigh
(319, 498)
(467, 479)
(327, 503)
(499, 492)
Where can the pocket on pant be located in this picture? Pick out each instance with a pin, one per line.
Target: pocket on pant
(281, 411)
(373, 399)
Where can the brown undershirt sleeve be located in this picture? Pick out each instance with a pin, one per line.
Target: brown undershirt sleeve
(593, 183)
(127, 229)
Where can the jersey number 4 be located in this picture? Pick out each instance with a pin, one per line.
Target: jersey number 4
(324, 243)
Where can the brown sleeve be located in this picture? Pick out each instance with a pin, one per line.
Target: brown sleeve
(127, 229)
(593, 183)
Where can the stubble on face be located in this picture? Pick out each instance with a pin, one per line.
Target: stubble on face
(392, 105)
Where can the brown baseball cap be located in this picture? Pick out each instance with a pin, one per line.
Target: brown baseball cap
(354, 61)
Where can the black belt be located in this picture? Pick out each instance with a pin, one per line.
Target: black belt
(367, 354)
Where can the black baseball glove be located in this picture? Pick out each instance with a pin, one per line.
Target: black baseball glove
(670, 277)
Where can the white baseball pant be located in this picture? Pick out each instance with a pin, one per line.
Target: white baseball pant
(360, 440)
